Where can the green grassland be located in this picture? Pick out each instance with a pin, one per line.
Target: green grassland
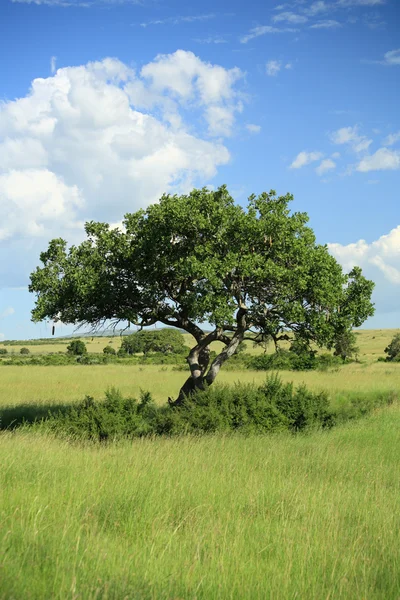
(213, 517)
(255, 517)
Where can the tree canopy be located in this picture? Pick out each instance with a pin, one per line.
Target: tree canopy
(199, 262)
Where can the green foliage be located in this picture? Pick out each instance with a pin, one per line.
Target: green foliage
(3, 351)
(288, 360)
(24, 351)
(346, 345)
(274, 406)
(163, 341)
(200, 258)
(77, 348)
(393, 349)
(109, 350)
(116, 417)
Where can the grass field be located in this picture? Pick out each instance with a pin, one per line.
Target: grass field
(372, 343)
(215, 517)
(70, 383)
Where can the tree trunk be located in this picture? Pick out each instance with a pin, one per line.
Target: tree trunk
(198, 363)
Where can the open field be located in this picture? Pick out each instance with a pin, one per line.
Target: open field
(215, 517)
(372, 343)
(275, 517)
(70, 383)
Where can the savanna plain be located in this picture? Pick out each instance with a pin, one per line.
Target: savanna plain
(308, 516)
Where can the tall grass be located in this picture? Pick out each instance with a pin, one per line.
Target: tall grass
(213, 517)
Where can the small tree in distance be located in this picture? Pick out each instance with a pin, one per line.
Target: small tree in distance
(346, 345)
(198, 262)
(109, 350)
(76, 348)
(393, 349)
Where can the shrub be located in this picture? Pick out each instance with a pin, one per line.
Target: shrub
(76, 348)
(393, 349)
(24, 351)
(164, 341)
(109, 350)
(274, 406)
(346, 345)
(3, 351)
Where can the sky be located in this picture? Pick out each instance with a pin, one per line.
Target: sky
(107, 104)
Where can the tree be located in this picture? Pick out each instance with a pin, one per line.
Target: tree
(393, 349)
(199, 262)
(346, 345)
(166, 341)
(76, 348)
(109, 350)
(24, 351)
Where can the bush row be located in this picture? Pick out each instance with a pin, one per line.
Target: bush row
(271, 407)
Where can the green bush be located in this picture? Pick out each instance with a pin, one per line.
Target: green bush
(393, 349)
(274, 406)
(3, 351)
(76, 348)
(162, 341)
(24, 351)
(109, 350)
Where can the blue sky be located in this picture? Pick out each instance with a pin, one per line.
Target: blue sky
(106, 104)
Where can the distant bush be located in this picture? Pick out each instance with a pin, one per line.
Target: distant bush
(287, 360)
(24, 351)
(109, 350)
(77, 348)
(162, 341)
(3, 351)
(393, 349)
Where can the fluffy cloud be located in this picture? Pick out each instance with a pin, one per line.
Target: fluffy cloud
(305, 158)
(392, 139)
(95, 141)
(380, 261)
(7, 312)
(350, 136)
(273, 67)
(391, 58)
(382, 160)
(326, 165)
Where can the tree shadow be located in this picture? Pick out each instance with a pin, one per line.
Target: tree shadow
(12, 417)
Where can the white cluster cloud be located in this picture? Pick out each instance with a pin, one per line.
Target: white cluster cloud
(350, 135)
(274, 66)
(383, 159)
(326, 165)
(95, 141)
(391, 58)
(304, 158)
(380, 261)
(317, 15)
(392, 139)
